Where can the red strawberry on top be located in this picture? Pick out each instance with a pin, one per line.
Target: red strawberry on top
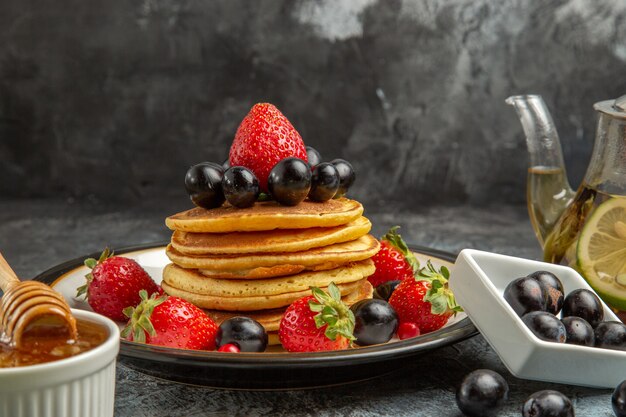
(426, 300)
(114, 284)
(317, 322)
(264, 138)
(394, 260)
(169, 321)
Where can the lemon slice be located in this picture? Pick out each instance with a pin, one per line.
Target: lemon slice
(601, 251)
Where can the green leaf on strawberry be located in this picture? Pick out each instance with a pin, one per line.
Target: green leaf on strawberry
(91, 264)
(439, 295)
(332, 312)
(396, 240)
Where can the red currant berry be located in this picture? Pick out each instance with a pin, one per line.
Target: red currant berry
(229, 348)
(407, 330)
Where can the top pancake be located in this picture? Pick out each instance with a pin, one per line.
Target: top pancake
(267, 215)
(282, 240)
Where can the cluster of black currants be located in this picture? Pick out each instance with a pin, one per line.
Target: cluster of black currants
(289, 182)
(483, 393)
(539, 297)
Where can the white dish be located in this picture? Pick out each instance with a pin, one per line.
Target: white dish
(78, 386)
(478, 280)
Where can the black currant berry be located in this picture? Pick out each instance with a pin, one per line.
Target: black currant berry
(611, 335)
(585, 304)
(384, 290)
(525, 295)
(578, 331)
(554, 288)
(313, 156)
(346, 176)
(324, 182)
(545, 326)
(482, 393)
(548, 403)
(226, 164)
(375, 322)
(618, 400)
(249, 335)
(289, 181)
(241, 187)
(204, 185)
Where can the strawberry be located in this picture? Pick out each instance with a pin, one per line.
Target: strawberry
(426, 300)
(169, 321)
(394, 260)
(264, 138)
(317, 322)
(114, 284)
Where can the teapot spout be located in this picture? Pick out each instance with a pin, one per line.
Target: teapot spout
(548, 191)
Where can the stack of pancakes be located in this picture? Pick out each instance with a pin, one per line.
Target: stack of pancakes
(256, 261)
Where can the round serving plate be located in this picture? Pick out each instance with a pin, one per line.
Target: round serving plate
(267, 370)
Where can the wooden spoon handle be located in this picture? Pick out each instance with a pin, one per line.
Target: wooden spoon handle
(8, 279)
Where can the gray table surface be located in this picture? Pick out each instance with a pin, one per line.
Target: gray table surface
(38, 234)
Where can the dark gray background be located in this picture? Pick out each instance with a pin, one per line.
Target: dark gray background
(111, 101)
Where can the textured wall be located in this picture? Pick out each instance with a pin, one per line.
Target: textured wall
(113, 100)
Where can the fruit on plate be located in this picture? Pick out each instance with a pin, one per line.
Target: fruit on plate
(317, 322)
(246, 334)
(408, 330)
(203, 183)
(289, 181)
(618, 400)
(425, 300)
(394, 261)
(554, 288)
(525, 295)
(241, 187)
(601, 251)
(264, 138)
(611, 335)
(482, 393)
(114, 284)
(578, 331)
(545, 326)
(384, 290)
(169, 321)
(324, 182)
(548, 403)
(585, 304)
(375, 322)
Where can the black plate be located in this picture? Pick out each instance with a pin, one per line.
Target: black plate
(276, 370)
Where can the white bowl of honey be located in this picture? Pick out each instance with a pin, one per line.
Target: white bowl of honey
(55, 378)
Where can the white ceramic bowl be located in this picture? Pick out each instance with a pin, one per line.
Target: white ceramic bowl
(478, 280)
(78, 386)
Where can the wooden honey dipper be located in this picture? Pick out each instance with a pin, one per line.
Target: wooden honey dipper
(29, 305)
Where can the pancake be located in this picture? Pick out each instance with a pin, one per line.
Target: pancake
(260, 302)
(191, 281)
(265, 272)
(267, 215)
(270, 319)
(357, 250)
(279, 240)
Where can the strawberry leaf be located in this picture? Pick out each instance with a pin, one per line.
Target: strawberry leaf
(396, 241)
(139, 323)
(439, 294)
(332, 313)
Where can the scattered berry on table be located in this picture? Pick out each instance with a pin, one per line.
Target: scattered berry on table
(317, 322)
(289, 181)
(247, 334)
(114, 284)
(526, 294)
(169, 321)
(324, 182)
(346, 176)
(203, 183)
(264, 138)
(407, 330)
(394, 261)
(545, 326)
(618, 400)
(611, 335)
(554, 287)
(585, 304)
(384, 290)
(482, 393)
(313, 156)
(241, 187)
(578, 331)
(375, 322)
(426, 300)
(548, 403)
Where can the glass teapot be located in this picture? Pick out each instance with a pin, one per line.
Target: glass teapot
(585, 229)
